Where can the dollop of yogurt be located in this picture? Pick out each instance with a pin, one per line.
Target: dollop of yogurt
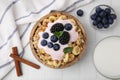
(57, 55)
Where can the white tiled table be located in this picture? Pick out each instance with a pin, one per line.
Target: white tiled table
(84, 69)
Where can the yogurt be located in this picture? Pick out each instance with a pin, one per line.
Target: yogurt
(57, 55)
(107, 57)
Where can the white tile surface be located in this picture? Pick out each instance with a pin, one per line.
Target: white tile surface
(84, 69)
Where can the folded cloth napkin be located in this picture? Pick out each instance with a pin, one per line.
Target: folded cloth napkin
(16, 20)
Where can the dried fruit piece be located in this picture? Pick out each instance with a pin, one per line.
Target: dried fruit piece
(76, 50)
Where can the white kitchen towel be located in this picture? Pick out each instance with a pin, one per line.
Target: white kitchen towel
(16, 20)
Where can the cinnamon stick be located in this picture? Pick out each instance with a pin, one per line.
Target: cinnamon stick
(25, 61)
(17, 63)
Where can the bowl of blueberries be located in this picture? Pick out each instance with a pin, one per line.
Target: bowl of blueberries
(103, 17)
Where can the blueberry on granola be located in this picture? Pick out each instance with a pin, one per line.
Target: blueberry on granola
(50, 44)
(53, 38)
(43, 42)
(68, 26)
(56, 47)
(45, 35)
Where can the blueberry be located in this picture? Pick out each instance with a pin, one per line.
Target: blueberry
(98, 19)
(56, 47)
(45, 35)
(107, 16)
(104, 21)
(50, 44)
(53, 38)
(113, 16)
(108, 10)
(106, 26)
(43, 42)
(80, 12)
(93, 16)
(100, 26)
(102, 14)
(98, 9)
(110, 21)
(68, 26)
(95, 22)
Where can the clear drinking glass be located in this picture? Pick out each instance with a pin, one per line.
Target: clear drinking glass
(117, 77)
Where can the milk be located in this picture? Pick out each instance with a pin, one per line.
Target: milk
(107, 57)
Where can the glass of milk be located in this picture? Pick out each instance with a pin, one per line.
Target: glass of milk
(106, 57)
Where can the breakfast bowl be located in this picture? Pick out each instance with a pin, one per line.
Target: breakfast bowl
(58, 40)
